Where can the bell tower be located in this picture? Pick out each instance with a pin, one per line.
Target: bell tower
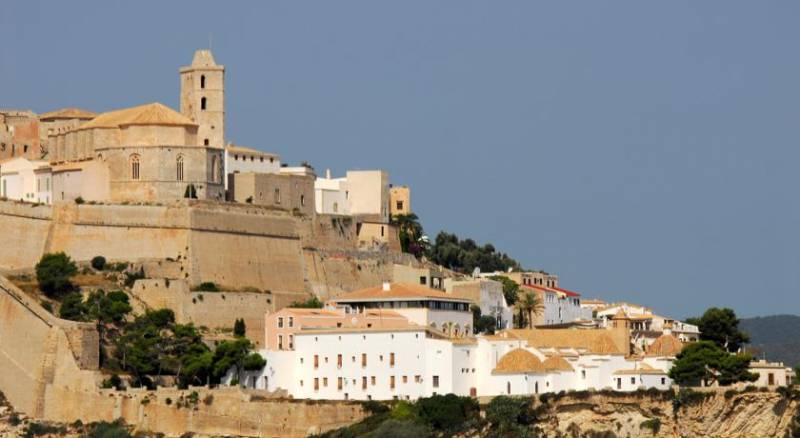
(203, 98)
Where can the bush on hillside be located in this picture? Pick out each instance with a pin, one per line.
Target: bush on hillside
(54, 273)
(208, 286)
(99, 263)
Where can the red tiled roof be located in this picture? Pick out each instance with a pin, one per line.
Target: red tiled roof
(569, 293)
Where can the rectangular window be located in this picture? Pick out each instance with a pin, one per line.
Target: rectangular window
(391, 382)
(663, 380)
(339, 360)
(280, 322)
(417, 378)
(399, 205)
(372, 380)
(280, 342)
(316, 383)
(633, 380)
(583, 374)
(435, 381)
(325, 382)
(405, 379)
(423, 280)
(364, 382)
(391, 359)
(291, 321)
(339, 383)
(316, 361)
(363, 360)
(277, 196)
(291, 342)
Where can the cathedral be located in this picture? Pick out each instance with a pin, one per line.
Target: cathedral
(146, 153)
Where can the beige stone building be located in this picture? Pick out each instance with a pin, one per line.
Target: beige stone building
(399, 200)
(146, 153)
(19, 135)
(530, 278)
(284, 191)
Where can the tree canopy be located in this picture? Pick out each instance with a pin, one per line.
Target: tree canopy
(466, 255)
(706, 362)
(54, 273)
(721, 326)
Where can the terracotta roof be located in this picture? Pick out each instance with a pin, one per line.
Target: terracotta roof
(665, 346)
(329, 330)
(595, 341)
(397, 291)
(310, 311)
(621, 315)
(557, 363)
(519, 361)
(150, 114)
(245, 150)
(642, 368)
(568, 293)
(68, 113)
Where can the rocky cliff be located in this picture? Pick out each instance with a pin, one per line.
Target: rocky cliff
(717, 414)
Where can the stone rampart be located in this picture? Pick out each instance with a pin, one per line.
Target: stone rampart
(214, 310)
(49, 371)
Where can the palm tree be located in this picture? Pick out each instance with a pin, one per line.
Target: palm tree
(410, 231)
(531, 304)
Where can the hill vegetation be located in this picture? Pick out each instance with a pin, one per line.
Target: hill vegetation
(776, 337)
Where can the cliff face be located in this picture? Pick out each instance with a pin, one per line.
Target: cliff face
(745, 414)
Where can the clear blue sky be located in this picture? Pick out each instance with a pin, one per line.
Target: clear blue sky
(645, 151)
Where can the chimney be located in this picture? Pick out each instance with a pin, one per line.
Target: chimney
(327, 174)
(387, 286)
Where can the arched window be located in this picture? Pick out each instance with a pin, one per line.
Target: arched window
(202, 81)
(179, 168)
(203, 103)
(134, 167)
(214, 170)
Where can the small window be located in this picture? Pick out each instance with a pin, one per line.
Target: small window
(280, 322)
(203, 103)
(316, 361)
(291, 321)
(277, 196)
(280, 342)
(325, 382)
(382, 232)
(372, 380)
(335, 207)
(435, 381)
(134, 167)
(391, 382)
(206, 143)
(423, 280)
(302, 200)
(633, 380)
(179, 168)
(202, 81)
(663, 380)
(339, 383)
(399, 205)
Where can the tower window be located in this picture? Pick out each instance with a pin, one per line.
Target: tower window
(203, 103)
(179, 166)
(202, 81)
(214, 169)
(205, 143)
(134, 167)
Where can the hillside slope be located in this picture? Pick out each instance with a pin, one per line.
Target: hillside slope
(777, 337)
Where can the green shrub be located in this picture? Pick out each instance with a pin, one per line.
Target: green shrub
(375, 407)
(253, 362)
(79, 200)
(448, 413)
(208, 286)
(404, 410)
(47, 306)
(239, 328)
(41, 429)
(113, 382)
(311, 303)
(99, 263)
(508, 414)
(54, 273)
(730, 393)
(103, 429)
(654, 424)
(131, 277)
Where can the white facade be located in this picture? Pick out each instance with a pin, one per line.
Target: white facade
(771, 373)
(486, 294)
(26, 180)
(369, 364)
(331, 195)
(360, 192)
(240, 159)
(560, 306)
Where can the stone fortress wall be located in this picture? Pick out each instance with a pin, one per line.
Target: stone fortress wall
(50, 373)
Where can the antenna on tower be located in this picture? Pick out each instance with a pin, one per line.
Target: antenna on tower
(210, 40)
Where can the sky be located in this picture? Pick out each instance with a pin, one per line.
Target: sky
(642, 151)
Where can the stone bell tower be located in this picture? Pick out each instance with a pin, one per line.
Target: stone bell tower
(203, 98)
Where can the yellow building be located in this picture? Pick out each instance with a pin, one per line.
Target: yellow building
(399, 200)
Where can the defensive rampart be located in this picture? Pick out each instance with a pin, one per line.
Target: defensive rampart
(49, 371)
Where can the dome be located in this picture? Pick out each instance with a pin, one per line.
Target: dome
(557, 363)
(665, 346)
(519, 361)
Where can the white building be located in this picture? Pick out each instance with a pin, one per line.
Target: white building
(331, 195)
(420, 305)
(240, 159)
(486, 294)
(561, 306)
(412, 362)
(771, 373)
(647, 326)
(26, 180)
(359, 193)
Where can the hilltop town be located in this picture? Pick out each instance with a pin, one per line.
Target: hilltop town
(147, 260)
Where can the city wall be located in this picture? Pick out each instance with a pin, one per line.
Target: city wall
(215, 310)
(49, 371)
